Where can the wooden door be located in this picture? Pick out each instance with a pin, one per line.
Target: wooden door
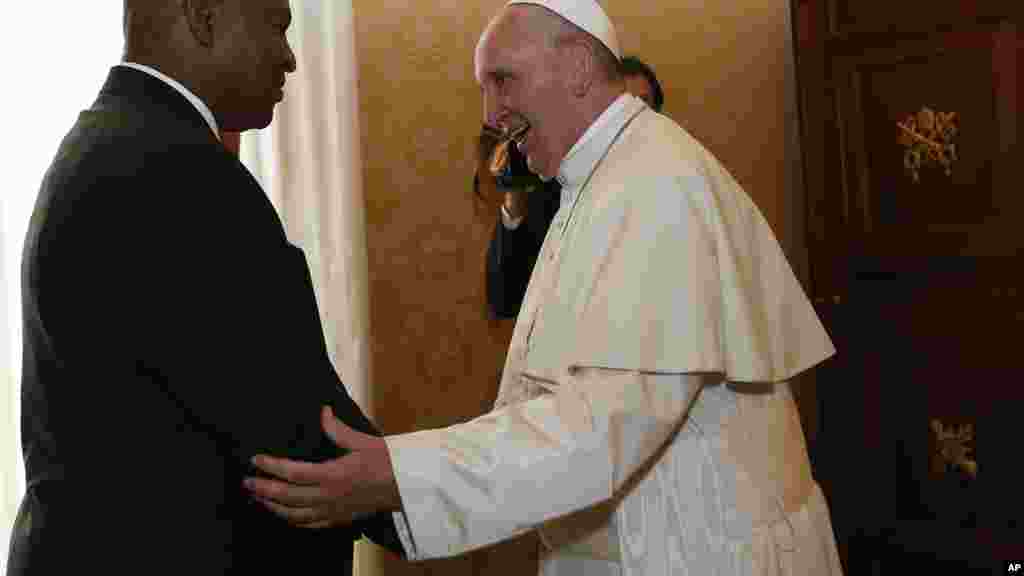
(917, 273)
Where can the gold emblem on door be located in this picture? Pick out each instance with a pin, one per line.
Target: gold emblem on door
(928, 140)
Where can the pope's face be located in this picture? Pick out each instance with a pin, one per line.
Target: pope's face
(523, 88)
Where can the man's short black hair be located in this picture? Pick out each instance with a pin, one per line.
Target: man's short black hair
(633, 66)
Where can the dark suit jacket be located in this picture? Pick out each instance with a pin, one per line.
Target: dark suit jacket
(170, 333)
(512, 253)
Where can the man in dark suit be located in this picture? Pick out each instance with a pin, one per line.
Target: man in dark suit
(529, 205)
(170, 329)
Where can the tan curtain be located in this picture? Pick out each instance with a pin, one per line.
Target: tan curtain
(308, 161)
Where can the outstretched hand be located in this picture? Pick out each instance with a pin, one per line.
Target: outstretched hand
(331, 493)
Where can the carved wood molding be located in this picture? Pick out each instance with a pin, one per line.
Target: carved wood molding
(866, 18)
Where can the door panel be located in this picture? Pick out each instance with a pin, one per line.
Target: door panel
(877, 87)
(920, 281)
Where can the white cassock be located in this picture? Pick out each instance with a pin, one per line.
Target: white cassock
(644, 422)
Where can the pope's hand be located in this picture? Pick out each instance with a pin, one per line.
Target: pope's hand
(331, 493)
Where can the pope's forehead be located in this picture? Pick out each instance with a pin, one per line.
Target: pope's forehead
(502, 37)
(483, 55)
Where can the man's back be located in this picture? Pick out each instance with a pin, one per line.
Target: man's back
(171, 332)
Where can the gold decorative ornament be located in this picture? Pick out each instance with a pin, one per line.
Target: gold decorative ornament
(927, 137)
(953, 448)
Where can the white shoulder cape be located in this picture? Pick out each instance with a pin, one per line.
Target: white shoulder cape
(722, 298)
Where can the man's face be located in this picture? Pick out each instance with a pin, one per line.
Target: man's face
(519, 75)
(254, 57)
(639, 86)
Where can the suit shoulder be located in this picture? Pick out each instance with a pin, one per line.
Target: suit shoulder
(106, 167)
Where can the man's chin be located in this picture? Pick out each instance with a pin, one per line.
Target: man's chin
(251, 121)
(262, 119)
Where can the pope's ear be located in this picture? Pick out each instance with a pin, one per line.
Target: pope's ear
(581, 62)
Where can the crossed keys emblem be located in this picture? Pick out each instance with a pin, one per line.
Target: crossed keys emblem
(927, 138)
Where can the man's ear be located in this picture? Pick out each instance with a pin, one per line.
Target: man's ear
(201, 15)
(581, 61)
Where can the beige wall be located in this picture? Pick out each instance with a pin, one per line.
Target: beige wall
(721, 65)
(435, 355)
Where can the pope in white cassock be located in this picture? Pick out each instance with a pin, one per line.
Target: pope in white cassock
(644, 423)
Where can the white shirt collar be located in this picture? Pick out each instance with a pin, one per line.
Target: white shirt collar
(199, 105)
(584, 155)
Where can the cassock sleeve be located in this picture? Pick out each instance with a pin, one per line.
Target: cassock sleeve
(509, 471)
